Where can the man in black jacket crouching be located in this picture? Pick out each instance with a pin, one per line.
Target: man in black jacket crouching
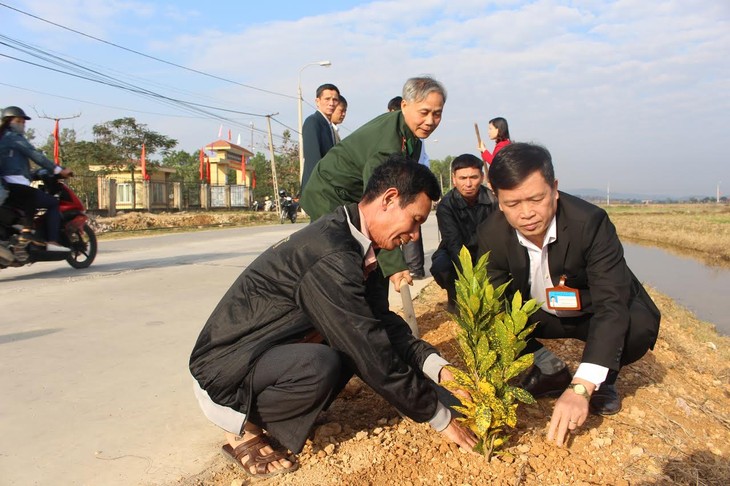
(459, 213)
(307, 314)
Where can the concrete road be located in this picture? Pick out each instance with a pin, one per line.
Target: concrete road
(94, 381)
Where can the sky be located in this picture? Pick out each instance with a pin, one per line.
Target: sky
(628, 94)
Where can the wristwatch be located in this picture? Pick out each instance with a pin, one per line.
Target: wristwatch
(580, 389)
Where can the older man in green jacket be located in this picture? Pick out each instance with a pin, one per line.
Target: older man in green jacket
(341, 175)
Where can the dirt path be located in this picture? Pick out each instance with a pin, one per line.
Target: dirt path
(674, 427)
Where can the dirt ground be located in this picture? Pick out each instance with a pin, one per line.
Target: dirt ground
(125, 222)
(674, 427)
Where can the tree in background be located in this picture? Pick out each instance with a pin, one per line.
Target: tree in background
(123, 139)
(264, 184)
(287, 169)
(186, 165)
(442, 171)
(117, 146)
(287, 164)
(78, 156)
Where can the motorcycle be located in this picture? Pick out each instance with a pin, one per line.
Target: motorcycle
(289, 207)
(75, 234)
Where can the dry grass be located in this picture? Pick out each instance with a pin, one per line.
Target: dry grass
(690, 228)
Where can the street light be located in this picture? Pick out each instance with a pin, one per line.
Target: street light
(299, 99)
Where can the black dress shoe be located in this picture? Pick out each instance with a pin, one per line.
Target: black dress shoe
(605, 401)
(418, 275)
(541, 385)
(452, 308)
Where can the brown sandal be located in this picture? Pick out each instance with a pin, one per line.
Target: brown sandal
(252, 449)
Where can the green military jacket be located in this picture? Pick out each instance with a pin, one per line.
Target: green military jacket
(341, 175)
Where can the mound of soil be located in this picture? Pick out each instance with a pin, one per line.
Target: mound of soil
(140, 221)
(674, 427)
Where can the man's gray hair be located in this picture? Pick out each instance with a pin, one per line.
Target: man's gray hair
(417, 89)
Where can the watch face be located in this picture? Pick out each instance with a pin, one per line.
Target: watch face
(579, 389)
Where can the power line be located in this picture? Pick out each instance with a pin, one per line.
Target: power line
(133, 89)
(98, 104)
(203, 73)
(89, 74)
(75, 69)
(95, 76)
(247, 127)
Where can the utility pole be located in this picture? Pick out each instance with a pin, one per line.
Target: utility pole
(717, 194)
(251, 137)
(56, 134)
(608, 194)
(273, 165)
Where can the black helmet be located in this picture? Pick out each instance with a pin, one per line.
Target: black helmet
(282, 192)
(13, 111)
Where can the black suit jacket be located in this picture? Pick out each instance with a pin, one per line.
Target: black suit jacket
(588, 252)
(317, 140)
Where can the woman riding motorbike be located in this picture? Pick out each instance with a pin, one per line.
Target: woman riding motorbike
(15, 150)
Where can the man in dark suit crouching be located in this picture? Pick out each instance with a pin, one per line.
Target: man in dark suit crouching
(564, 252)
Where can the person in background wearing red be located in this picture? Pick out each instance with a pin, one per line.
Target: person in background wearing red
(499, 132)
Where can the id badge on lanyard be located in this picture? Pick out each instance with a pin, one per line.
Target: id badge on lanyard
(562, 297)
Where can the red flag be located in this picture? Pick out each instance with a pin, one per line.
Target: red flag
(56, 145)
(253, 180)
(243, 169)
(229, 134)
(201, 170)
(145, 175)
(207, 163)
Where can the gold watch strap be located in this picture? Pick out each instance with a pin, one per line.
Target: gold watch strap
(585, 393)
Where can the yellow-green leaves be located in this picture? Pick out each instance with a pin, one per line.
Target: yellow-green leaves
(491, 336)
(518, 366)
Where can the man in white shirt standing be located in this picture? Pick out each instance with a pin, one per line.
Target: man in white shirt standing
(338, 116)
(564, 252)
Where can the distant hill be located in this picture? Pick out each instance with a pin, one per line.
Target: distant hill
(600, 196)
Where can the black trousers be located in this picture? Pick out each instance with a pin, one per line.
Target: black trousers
(291, 385)
(444, 273)
(641, 335)
(413, 253)
(28, 199)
